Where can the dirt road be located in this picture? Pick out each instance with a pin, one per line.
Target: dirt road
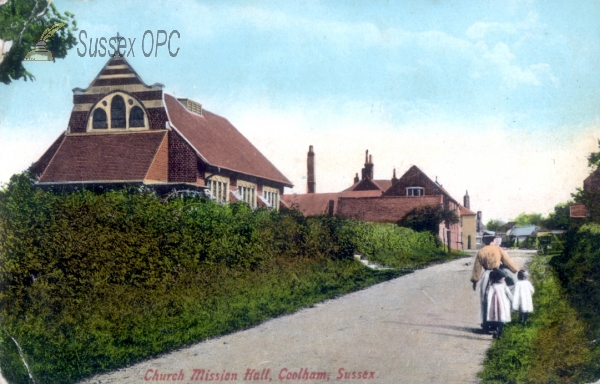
(419, 328)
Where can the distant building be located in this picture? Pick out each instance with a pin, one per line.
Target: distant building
(124, 132)
(385, 201)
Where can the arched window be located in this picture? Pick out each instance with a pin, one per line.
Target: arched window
(117, 113)
(99, 119)
(136, 117)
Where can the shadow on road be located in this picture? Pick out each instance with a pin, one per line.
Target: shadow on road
(477, 330)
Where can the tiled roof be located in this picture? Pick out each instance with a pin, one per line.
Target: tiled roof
(466, 211)
(383, 185)
(382, 209)
(103, 157)
(219, 143)
(578, 211)
(317, 203)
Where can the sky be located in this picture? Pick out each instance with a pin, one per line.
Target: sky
(497, 98)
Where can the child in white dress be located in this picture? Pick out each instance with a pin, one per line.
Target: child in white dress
(498, 303)
(523, 301)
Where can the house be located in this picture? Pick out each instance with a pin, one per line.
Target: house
(123, 132)
(518, 236)
(385, 201)
(592, 184)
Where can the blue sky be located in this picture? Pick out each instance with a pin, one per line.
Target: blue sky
(499, 98)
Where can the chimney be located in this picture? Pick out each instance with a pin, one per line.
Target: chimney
(394, 178)
(467, 200)
(368, 169)
(356, 179)
(310, 173)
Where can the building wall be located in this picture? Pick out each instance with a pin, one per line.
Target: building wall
(469, 228)
(455, 235)
(381, 209)
(182, 160)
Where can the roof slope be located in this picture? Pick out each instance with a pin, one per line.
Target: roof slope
(465, 211)
(382, 184)
(384, 209)
(317, 203)
(103, 157)
(219, 143)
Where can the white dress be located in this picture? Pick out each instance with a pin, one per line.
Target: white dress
(522, 299)
(498, 303)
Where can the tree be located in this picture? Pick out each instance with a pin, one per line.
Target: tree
(21, 25)
(589, 198)
(494, 225)
(560, 218)
(528, 219)
(428, 218)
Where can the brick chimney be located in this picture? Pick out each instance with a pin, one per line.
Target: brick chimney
(394, 178)
(356, 179)
(467, 200)
(310, 172)
(367, 171)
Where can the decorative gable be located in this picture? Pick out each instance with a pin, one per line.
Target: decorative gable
(117, 99)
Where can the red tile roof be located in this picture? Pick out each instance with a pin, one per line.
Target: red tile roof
(103, 157)
(219, 143)
(466, 211)
(317, 203)
(382, 209)
(383, 184)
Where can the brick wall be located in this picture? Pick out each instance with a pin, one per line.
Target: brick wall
(78, 122)
(182, 160)
(381, 209)
(157, 117)
(159, 170)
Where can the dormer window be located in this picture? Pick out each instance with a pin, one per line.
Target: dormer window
(118, 111)
(414, 191)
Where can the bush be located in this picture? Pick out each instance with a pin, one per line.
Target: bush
(94, 281)
(552, 347)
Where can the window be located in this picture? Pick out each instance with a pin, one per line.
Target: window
(136, 117)
(218, 190)
(117, 113)
(99, 119)
(414, 191)
(272, 196)
(248, 193)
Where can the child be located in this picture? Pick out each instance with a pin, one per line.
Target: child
(523, 291)
(498, 303)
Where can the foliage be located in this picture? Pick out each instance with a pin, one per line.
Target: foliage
(560, 218)
(428, 218)
(494, 225)
(591, 200)
(22, 22)
(594, 158)
(393, 246)
(552, 347)
(524, 219)
(90, 282)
